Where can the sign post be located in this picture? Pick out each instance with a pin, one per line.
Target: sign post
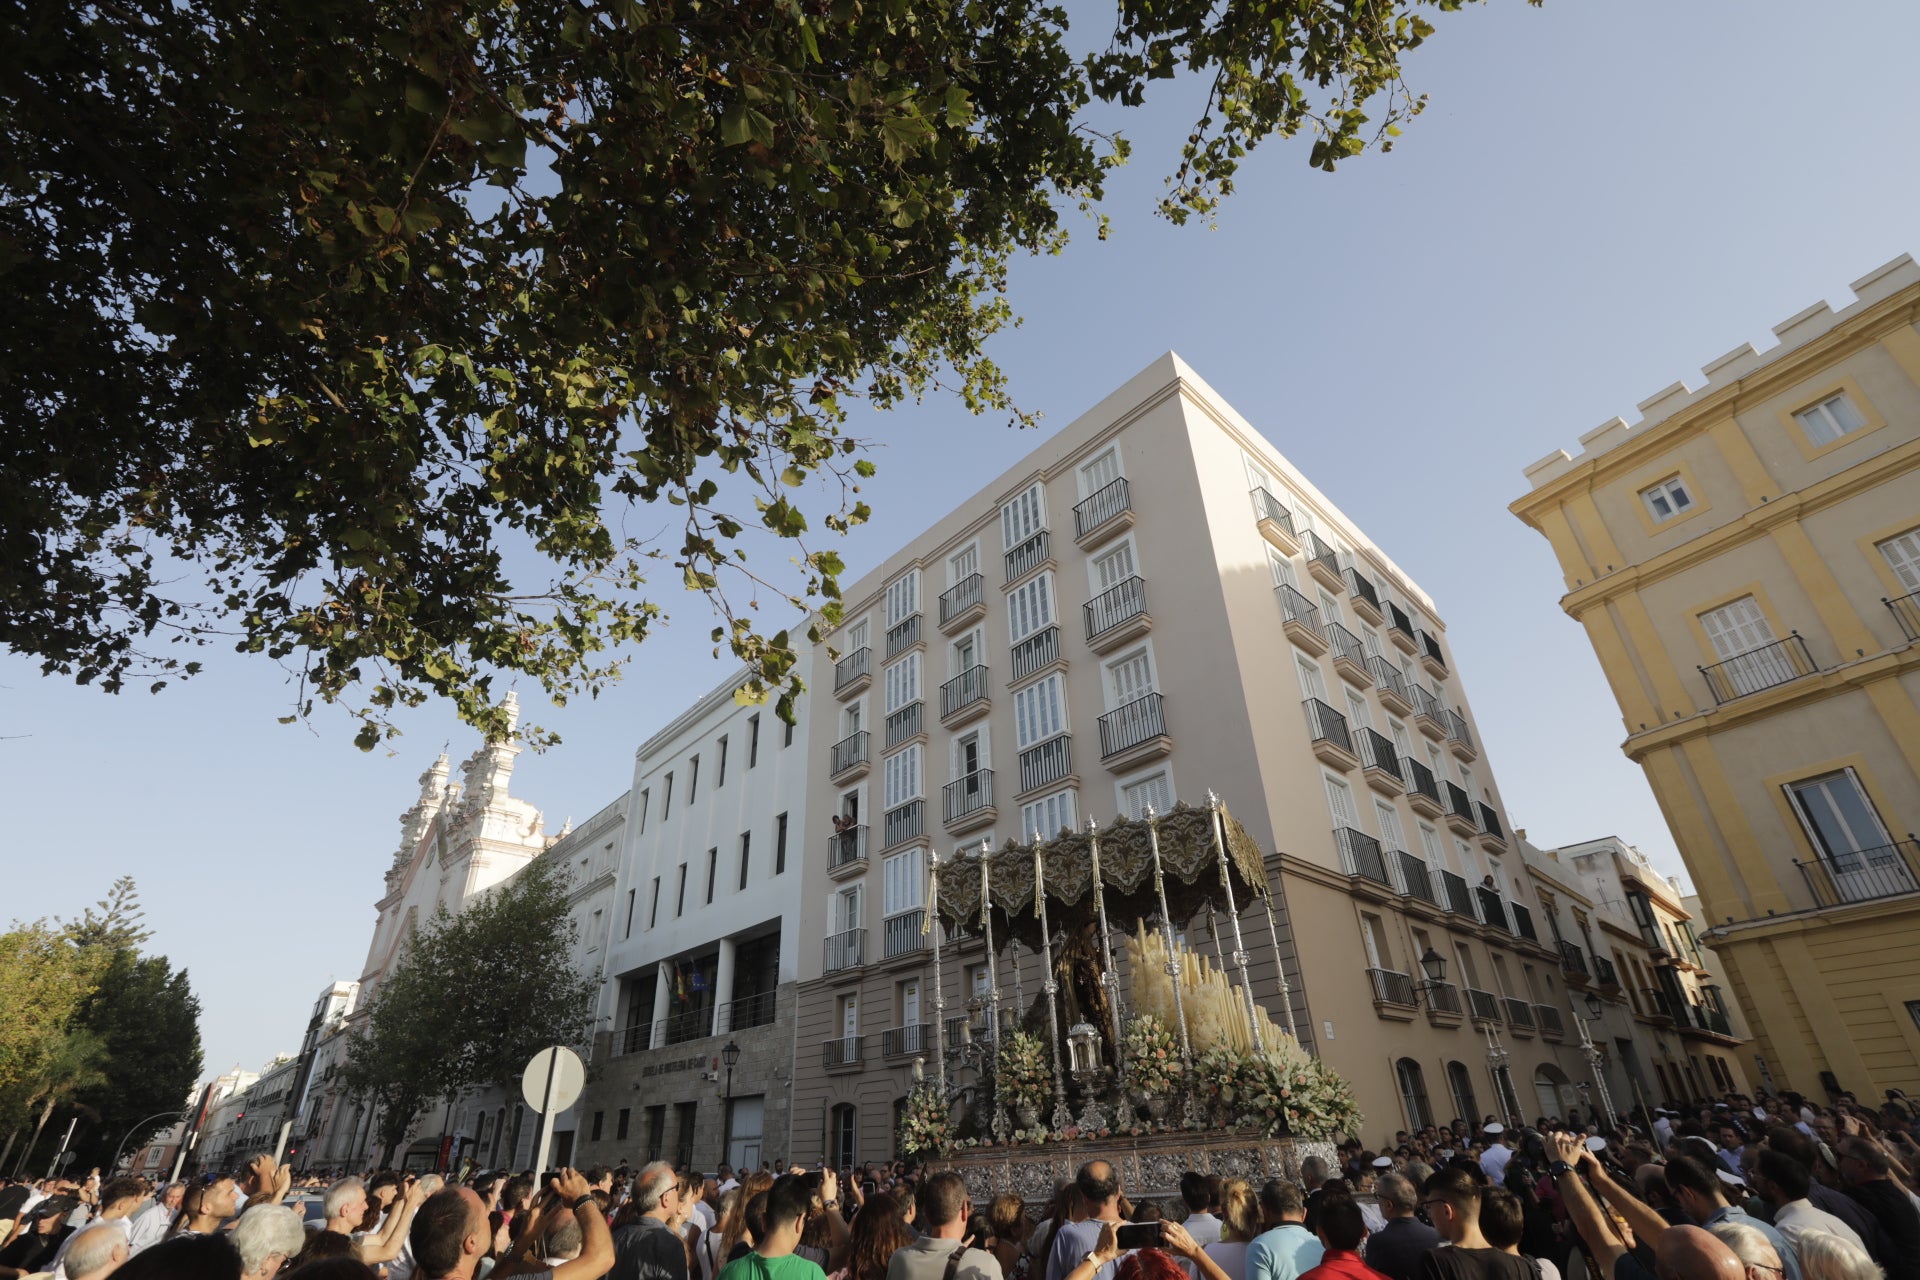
(551, 1083)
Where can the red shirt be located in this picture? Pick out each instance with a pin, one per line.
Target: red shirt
(1341, 1264)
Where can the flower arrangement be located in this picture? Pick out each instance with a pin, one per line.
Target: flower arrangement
(926, 1124)
(1024, 1070)
(1152, 1055)
(1280, 1092)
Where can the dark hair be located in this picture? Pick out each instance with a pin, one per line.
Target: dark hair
(1098, 1188)
(1009, 1217)
(439, 1231)
(1684, 1173)
(334, 1269)
(1502, 1221)
(185, 1258)
(596, 1173)
(790, 1199)
(381, 1180)
(324, 1244)
(1199, 1191)
(1788, 1175)
(1282, 1199)
(1457, 1188)
(941, 1199)
(754, 1216)
(878, 1230)
(122, 1189)
(1792, 1143)
(1341, 1224)
(1147, 1211)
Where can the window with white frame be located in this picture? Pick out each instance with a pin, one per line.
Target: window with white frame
(1370, 641)
(1129, 678)
(1390, 834)
(1111, 568)
(963, 564)
(1025, 516)
(1340, 802)
(1667, 499)
(1358, 716)
(1258, 477)
(1101, 472)
(1902, 554)
(1830, 419)
(856, 637)
(850, 718)
(966, 652)
(903, 881)
(1312, 683)
(1155, 789)
(1282, 570)
(844, 909)
(1469, 864)
(970, 754)
(903, 682)
(1330, 609)
(1047, 816)
(1040, 711)
(1030, 607)
(903, 598)
(1435, 851)
(903, 777)
(1402, 741)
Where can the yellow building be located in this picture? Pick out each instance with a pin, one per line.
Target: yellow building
(1746, 562)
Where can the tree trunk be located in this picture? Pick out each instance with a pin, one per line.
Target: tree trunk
(6, 1151)
(38, 1126)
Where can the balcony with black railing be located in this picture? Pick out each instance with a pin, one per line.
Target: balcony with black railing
(1117, 614)
(964, 696)
(1492, 834)
(1390, 685)
(1360, 856)
(1766, 667)
(1135, 731)
(1456, 896)
(1046, 762)
(1443, 1000)
(1863, 875)
(690, 1024)
(1400, 628)
(1028, 556)
(967, 801)
(1366, 600)
(1547, 1018)
(1391, 988)
(903, 823)
(1603, 972)
(1332, 741)
(1906, 612)
(1415, 876)
(1381, 761)
(851, 752)
(900, 934)
(906, 724)
(1036, 653)
(852, 669)
(903, 635)
(844, 950)
(847, 847)
(1301, 619)
(1459, 739)
(1323, 562)
(1492, 910)
(843, 1052)
(907, 1042)
(757, 1010)
(1430, 654)
(1349, 657)
(1275, 522)
(1423, 789)
(1573, 961)
(1523, 923)
(1519, 1014)
(1654, 1002)
(1430, 715)
(1105, 512)
(963, 600)
(1460, 814)
(1483, 1005)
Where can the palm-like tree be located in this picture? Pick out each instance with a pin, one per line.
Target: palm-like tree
(71, 1065)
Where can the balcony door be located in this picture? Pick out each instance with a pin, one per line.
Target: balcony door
(1113, 568)
(1131, 678)
(1841, 823)
(1737, 631)
(1903, 557)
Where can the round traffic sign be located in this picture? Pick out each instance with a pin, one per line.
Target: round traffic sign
(553, 1080)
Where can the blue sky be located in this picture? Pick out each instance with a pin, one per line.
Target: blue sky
(1601, 198)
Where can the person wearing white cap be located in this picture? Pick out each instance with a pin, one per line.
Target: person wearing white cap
(1494, 1160)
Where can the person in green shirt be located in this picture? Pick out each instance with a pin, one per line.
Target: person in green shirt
(773, 1256)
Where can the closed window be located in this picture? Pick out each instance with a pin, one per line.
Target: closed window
(903, 682)
(903, 599)
(1282, 570)
(1340, 802)
(904, 878)
(1113, 568)
(1039, 712)
(1667, 499)
(1460, 1084)
(1030, 607)
(1830, 419)
(1312, 683)
(1100, 473)
(963, 564)
(1389, 817)
(1025, 516)
(1129, 678)
(1903, 557)
(1413, 1093)
(1155, 789)
(1046, 817)
(903, 777)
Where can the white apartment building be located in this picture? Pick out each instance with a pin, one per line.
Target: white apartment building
(702, 944)
(1152, 604)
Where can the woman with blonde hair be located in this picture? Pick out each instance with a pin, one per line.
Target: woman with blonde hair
(1825, 1256)
(1008, 1217)
(733, 1226)
(1239, 1224)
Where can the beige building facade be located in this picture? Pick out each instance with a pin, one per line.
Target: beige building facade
(1152, 605)
(1745, 561)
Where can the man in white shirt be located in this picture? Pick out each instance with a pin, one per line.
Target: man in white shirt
(1662, 1128)
(1493, 1161)
(118, 1200)
(149, 1226)
(1783, 1182)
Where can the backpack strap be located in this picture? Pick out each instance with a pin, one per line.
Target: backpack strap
(953, 1262)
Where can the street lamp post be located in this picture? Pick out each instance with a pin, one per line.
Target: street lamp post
(158, 1115)
(1596, 1060)
(1434, 966)
(729, 1055)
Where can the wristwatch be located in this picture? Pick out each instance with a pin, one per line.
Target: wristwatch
(831, 1204)
(1559, 1167)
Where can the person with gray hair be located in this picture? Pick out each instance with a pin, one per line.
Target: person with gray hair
(1826, 1256)
(1395, 1250)
(266, 1236)
(1755, 1251)
(149, 1226)
(646, 1247)
(96, 1252)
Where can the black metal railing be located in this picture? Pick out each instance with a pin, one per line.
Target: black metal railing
(961, 596)
(1523, 923)
(1717, 1021)
(904, 822)
(850, 751)
(899, 1042)
(1862, 876)
(1398, 620)
(1360, 853)
(1519, 1012)
(1457, 898)
(1318, 552)
(757, 1010)
(963, 690)
(1906, 612)
(1360, 587)
(1295, 607)
(1457, 729)
(1430, 649)
(1483, 1004)
(845, 950)
(1547, 1017)
(1490, 822)
(1443, 997)
(905, 723)
(1126, 727)
(1425, 704)
(1603, 972)
(1105, 503)
(635, 1037)
(1763, 668)
(846, 1051)
(1387, 678)
(847, 846)
(1656, 1002)
(1036, 651)
(967, 795)
(1377, 752)
(1492, 910)
(1458, 803)
(1046, 762)
(1118, 604)
(1028, 556)
(1415, 876)
(1268, 507)
(692, 1024)
(1390, 987)
(1421, 779)
(852, 667)
(903, 635)
(1347, 645)
(900, 935)
(1326, 724)
(1573, 959)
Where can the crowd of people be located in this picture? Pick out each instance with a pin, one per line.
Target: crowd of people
(1744, 1189)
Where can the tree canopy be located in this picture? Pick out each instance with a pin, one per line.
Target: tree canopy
(357, 334)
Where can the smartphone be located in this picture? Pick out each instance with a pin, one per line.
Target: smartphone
(1140, 1235)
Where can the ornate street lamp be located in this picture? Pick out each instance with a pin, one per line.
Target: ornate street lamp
(731, 1056)
(1434, 965)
